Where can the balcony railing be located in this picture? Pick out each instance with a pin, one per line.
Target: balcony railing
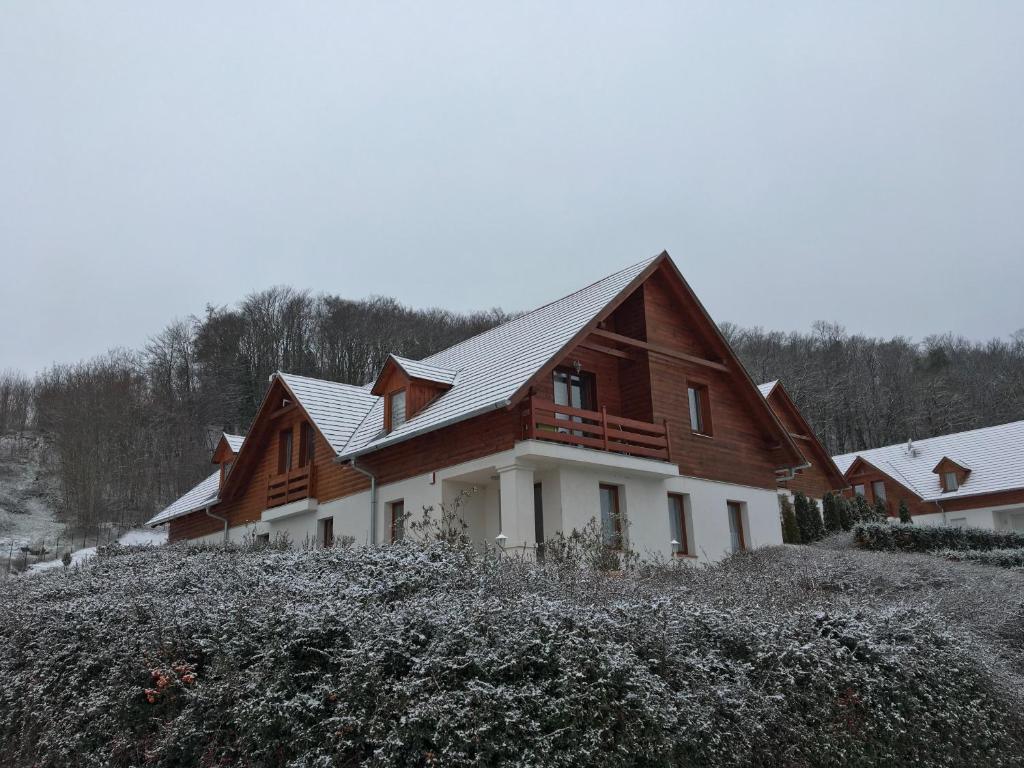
(293, 485)
(544, 420)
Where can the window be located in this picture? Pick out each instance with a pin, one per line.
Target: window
(284, 451)
(307, 444)
(611, 517)
(677, 524)
(262, 538)
(397, 520)
(737, 539)
(950, 481)
(700, 409)
(858, 490)
(327, 532)
(878, 489)
(396, 410)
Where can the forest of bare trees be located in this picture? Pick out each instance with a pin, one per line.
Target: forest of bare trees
(859, 392)
(131, 430)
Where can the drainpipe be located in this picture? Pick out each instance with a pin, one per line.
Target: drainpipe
(218, 517)
(373, 498)
(945, 520)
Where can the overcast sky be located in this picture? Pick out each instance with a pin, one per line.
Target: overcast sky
(859, 162)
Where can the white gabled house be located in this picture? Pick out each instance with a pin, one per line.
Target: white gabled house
(971, 479)
(620, 403)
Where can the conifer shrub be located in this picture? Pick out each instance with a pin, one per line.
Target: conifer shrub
(790, 528)
(929, 538)
(418, 655)
(862, 510)
(808, 518)
(830, 513)
(905, 517)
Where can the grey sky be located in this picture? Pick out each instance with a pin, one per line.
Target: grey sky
(860, 162)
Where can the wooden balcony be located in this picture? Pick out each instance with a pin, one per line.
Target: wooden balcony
(293, 485)
(544, 420)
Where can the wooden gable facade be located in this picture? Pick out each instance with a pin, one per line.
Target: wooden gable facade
(639, 356)
(822, 476)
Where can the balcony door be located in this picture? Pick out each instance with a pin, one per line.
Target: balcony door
(575, 390)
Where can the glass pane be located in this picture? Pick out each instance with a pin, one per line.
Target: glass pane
(735, 527)
(695, 415)
(398, 409)
(675, 521)
(879, 488)
(609, 517)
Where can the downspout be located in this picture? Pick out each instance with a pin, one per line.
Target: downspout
(790, 473)
(373, 497)
(224, 520)
(945, 520)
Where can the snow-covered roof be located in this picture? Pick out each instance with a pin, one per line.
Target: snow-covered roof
(234, 441)
(766, 389)
(417, 369)
(203, 494)
(336, 409)
(994, 454)
(493, 365)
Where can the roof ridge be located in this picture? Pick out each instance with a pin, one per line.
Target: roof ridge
(536, 310)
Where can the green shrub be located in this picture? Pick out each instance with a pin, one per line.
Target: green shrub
(905, 517)
(1004, 558)
(790, 528)
(413, 655)
(831, 514)
(928, 538)
(808, 518)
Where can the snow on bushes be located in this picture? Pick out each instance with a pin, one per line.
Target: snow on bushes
(927, 538)
(432, 655)
(1004, 558)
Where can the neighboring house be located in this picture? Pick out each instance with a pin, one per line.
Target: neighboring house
(819, 475)
(621, 403)
(971, 478)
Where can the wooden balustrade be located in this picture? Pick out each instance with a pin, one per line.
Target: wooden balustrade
(544, 420)
(293, 485)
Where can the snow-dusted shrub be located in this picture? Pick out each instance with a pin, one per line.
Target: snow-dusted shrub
(1004, 558)
(927, 538)
(431, 655)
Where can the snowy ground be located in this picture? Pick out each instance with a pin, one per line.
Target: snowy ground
(26, 517)
(82, 556)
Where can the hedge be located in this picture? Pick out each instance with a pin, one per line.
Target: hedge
(1004, 558)
(928, 538)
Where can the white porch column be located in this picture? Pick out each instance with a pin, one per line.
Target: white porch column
(517, 521)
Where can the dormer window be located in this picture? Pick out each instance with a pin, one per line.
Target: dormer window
(952, 474)
(396, 409)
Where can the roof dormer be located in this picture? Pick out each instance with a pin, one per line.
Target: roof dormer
(225, 452)
(951, 474)
(409, 386)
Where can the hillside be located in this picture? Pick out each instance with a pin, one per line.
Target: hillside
(27, 487)
(405, 655)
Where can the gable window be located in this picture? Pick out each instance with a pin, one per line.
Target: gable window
(677, 519)
(950, 481)
(700, 409)
(858, 490)
(736, 538)
(397, 509)
(284, 451)
(611, 517)
(396, 410)
(878, 489)
(307, 444)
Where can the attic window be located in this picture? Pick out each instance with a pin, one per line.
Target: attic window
(700, 409)
(396, 410)
(950, 481)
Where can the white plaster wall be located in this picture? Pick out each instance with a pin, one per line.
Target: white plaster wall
(709, 513)
(968, 518)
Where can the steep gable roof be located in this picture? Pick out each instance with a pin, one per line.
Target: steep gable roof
(774, 390)
(495, 364)
(202, 495)
(335, 409)
(234, 441)
(994, 454)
